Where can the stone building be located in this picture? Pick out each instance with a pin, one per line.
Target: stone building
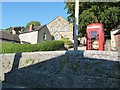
(115, 38)
(35, 34)
(60, 28)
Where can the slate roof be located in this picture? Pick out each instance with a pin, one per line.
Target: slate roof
(7, 35)
(35, 28)
(58, 17)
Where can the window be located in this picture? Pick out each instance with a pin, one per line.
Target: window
(44, 36)
(94, 35)
(66, 28)
(52, 29)
(59, 29)
(59, 19)
(57, 37)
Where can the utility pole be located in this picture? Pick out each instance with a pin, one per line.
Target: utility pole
(76, 24)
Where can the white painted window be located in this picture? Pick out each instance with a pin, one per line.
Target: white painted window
(59, 28)
(52, 29)
(66, 28)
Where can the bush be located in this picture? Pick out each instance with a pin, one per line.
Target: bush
(43, 46)
(67, 42)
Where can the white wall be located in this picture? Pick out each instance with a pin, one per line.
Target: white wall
(30, 37)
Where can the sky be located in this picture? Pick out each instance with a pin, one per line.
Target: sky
(21, 13)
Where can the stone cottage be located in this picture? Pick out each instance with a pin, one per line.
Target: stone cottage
(35, 34)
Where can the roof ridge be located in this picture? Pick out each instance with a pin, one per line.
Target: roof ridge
(56, 18)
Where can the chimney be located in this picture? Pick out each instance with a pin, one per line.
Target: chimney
(31, 27)
(13, 30)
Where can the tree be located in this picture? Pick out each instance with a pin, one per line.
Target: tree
(107, 13)
(9, 29)
(35, 23)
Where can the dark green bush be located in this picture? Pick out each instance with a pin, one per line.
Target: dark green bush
(43, 46)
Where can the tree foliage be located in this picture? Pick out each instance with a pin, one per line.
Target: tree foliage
(107, 13)
(35, 23)
(9, 29)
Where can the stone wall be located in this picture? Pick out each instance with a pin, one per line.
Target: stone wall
(44, 34)
(107, 45)
(86, 63)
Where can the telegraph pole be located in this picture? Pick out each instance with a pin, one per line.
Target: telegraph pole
(76, 24)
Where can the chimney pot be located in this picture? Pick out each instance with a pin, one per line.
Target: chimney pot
(13, 31)
(31, 27)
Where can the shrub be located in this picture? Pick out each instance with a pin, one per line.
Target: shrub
(67, 42)
(43, 46)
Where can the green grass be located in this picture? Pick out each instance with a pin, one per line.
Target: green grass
(43, 46)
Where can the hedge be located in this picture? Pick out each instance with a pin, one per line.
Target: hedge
(43, 46)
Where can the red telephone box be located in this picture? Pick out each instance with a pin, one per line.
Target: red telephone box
(95, 37)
